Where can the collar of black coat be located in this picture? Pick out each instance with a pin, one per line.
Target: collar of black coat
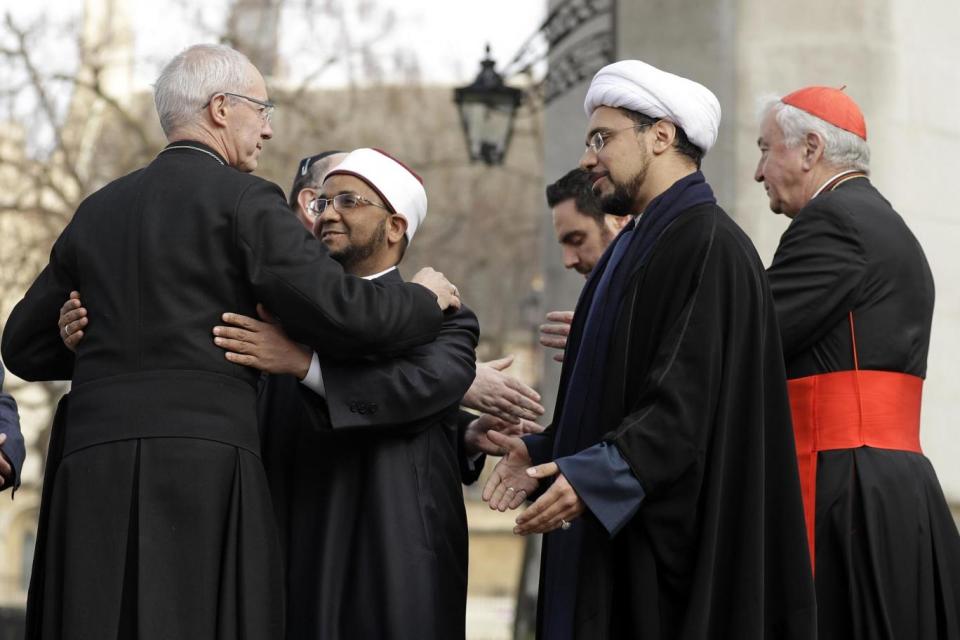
(387, 275)
(192, 146)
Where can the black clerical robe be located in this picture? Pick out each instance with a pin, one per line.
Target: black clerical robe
(695, 402)
(366, 484)
(887, 548)
(158, 518)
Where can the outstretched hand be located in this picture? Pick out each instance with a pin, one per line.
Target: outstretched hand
(476, 440)
(554, 335)
(509, 484)
(500, 394)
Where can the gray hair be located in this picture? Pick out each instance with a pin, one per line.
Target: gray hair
(841, 148)
(192, 78)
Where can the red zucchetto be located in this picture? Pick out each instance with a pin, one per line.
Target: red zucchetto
(830, 105)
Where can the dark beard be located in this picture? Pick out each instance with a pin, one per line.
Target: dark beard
(621, 201)
(354, 254)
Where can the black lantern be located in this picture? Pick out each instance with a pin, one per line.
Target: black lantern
(487, 107)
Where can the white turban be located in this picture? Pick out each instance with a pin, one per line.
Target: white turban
(640, 87)
(400, 188)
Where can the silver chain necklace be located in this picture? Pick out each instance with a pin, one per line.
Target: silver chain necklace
(186, 146)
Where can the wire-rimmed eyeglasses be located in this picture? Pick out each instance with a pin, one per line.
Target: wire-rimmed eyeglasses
(265, 111)
(343, 203)
(600, 138)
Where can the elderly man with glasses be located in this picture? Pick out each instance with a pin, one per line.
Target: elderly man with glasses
(157, 520)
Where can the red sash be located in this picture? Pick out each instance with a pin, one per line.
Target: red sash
(846, 410)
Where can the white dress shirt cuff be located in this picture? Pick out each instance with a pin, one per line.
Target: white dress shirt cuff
(314, 379)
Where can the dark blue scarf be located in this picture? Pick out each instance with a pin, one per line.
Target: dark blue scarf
(586, 353)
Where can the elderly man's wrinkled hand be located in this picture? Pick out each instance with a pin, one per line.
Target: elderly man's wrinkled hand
(475, 437)
(501, 395)
(448, 296)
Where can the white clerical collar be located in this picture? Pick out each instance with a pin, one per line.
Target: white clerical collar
(382, 273)
(832, 178)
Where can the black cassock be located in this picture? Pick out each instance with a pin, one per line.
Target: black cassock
(156, 515)
(695, 402)
(887, 548)
(367, 489)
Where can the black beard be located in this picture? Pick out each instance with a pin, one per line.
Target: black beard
(621, 201)
(354, 254)
(617, 203)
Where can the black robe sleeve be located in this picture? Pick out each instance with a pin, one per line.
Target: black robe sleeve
(422, 382)
(402, 393)
(471, 465)
(815, 273)
(31, 344)
(336, 314)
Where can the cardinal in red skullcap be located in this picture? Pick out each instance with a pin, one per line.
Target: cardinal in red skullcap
(854, 298)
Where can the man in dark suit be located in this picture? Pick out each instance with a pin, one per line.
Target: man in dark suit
(159, 498)
(12, 451)
(854, 297)
(493, 391)
(364, 465)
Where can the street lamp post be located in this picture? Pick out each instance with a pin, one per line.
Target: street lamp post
(487, 108)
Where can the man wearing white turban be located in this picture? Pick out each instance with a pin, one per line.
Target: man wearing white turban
(667, 484)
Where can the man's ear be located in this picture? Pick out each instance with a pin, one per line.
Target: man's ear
(396, 228)
(813, 148)
(665, 133)
(217, 110)
(305, 196)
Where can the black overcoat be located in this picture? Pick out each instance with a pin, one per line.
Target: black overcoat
(887, 548)
(366, 484)
(695, 400)
(159, 518)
